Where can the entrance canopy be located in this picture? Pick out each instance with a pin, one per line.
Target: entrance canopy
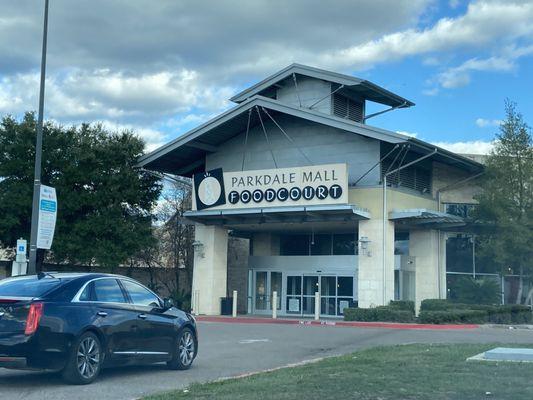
(425, 219)
(276, 215)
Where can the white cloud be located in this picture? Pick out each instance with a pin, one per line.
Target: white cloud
(467, 147)
(484, 23)
(483, 123)
(406, 133)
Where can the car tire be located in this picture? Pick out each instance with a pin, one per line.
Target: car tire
(184, 350)
(85, 360)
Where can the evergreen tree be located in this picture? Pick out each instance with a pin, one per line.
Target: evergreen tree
(506, 202)
(104, 202)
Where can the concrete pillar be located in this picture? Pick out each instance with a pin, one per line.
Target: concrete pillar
(209, 280)
(373, 287)
(424, 246)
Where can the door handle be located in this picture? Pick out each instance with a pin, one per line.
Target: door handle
(101, 314)
(142, 316)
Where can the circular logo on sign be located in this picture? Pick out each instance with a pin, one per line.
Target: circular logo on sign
(209, 191)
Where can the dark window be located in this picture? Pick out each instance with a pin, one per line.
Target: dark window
(88, 293)
(344, 244)
(461, 210)
(321, 245)
(27, 287)
(140, 295)
(294, 245)
(401, 243)
(108, 291)
(459, 254)
(345, 286)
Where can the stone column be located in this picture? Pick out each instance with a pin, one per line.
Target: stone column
(424, 246)
(210, 272)
(374, 287)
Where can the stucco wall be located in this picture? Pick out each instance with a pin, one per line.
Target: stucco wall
(321, 144)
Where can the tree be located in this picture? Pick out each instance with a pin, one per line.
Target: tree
(506, 201)
(104, 202)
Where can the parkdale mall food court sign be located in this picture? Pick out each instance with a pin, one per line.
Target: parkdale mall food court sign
(301, 186)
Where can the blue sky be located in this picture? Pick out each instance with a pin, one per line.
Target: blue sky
(161, 68)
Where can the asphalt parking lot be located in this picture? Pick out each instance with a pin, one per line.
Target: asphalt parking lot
(231, 349)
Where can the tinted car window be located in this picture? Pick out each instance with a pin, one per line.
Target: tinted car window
(108, 290)
(27, 287)
(140, 295)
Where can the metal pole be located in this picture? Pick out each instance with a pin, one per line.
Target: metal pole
(383, 244)
(234, 305)
(32, 268)
(274, 304)
(317, 306)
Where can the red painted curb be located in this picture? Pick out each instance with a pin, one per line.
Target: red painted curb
(388, 325)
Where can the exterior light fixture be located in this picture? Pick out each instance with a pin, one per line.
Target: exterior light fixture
(198, 248)
(363, 245)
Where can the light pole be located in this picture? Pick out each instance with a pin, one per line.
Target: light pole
(32, 268)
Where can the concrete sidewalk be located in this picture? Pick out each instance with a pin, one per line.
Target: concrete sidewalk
(255, 319)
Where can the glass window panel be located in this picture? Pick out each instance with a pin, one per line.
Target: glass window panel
(321, 245)
(401, 243)
(140, 295)
(261, 290)
(344, 244)
(108, 290)
(327, 306)
(294, 245)
(309, 305)
(275, 286)
(459, 254)
(310, 285)
(345, 286)
(327, 285)
(294, 285)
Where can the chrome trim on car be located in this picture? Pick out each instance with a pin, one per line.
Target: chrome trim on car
(143, 353)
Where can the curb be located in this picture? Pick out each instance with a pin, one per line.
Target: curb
(349, 324)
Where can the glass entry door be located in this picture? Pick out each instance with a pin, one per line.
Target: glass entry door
(265, 283)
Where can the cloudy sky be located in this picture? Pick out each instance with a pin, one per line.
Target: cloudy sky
(163, 67)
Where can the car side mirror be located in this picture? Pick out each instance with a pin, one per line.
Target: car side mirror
(168, 303)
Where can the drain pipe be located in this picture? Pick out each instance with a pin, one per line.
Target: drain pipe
(384, 247)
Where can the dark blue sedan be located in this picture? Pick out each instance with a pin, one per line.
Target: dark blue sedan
(79, 323)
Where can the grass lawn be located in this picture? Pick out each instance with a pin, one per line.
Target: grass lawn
(398, 372)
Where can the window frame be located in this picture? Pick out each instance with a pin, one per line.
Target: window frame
(127, 293)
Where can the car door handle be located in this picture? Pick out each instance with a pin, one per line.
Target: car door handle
(101, 314)
(142, 316)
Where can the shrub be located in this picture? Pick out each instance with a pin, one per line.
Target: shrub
(405, 305)
(476, 291)
(435, 305)
(453, 316)
(382, 313)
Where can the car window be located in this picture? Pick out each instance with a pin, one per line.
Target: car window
(108, 290)
(87, 294)
(27, 287)
(140, 295)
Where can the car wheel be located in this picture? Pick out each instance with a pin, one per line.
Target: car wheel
(85, 360)
(185, 350)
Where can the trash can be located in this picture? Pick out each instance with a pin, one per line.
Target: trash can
(226, 305)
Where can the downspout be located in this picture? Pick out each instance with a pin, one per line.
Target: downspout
(383, 257)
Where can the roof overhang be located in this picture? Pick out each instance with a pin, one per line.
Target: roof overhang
(364, 88)
(425, 219)
(186, 154)
(274, 215)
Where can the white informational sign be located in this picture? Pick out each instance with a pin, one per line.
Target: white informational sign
(21, 246)
(299, 186)
(342, 305)
(294, 305)
(47, 217)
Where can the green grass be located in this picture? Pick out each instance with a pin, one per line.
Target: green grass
(398, 372)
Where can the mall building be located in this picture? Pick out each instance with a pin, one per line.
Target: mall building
(315, 199)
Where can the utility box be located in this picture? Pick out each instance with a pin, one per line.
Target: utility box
(226, 305)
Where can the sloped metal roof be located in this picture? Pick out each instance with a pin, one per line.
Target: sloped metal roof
(423, 218)
(361, 87)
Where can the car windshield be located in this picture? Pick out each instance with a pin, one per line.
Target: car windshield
(27, 286)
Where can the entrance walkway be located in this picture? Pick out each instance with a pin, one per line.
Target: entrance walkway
(259, 319)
